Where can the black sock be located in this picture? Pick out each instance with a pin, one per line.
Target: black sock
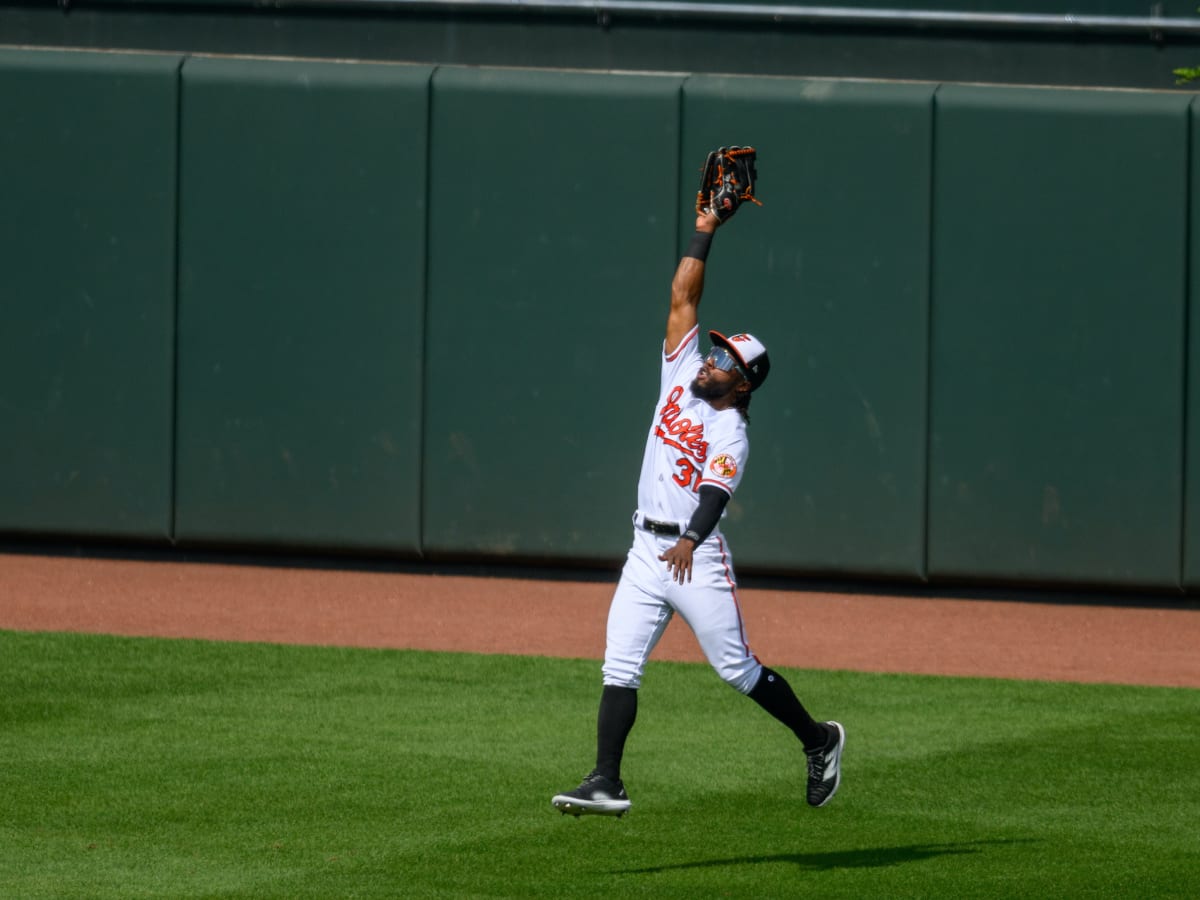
(618, 710)
(775, 695)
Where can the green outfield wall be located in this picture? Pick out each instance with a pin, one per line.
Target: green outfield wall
(1058, 354)
(551, 243)
(88, 168)
(302, 247)
(414, 312)
(833, 273)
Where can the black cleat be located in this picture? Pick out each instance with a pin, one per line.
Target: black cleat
(597, 796)
(825, 766)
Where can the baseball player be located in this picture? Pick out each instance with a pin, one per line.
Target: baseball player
(695, 457)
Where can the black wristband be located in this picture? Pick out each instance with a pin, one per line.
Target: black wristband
(692, 536)
(698, 248)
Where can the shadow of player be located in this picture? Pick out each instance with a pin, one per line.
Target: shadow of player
(866, 858)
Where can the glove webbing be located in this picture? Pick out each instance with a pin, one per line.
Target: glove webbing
(746, 194)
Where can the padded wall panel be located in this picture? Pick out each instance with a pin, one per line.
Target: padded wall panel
(87, 277)
(1058, 313)
(552, 245)
(301, 303)
(831, 272)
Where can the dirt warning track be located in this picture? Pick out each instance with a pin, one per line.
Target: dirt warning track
(1104, 642)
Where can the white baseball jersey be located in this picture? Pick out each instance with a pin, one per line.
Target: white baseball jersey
(690, 444)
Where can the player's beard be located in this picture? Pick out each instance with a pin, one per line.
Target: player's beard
(707, 392)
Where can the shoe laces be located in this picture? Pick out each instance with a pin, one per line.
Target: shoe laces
(816, 765)
(593, 777)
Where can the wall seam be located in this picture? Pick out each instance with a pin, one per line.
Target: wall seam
(173, 490)
(1186, 342)
(927, 431)
(423, 414)
(680, 126)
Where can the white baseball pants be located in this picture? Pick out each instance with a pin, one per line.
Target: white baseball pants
(646, 598)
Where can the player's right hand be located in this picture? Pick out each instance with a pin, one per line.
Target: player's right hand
(679, 560)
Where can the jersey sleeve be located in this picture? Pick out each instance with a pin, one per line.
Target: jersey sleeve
(726, 464)
(679, 366)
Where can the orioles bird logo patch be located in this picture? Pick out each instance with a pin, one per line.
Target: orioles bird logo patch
(724, 466)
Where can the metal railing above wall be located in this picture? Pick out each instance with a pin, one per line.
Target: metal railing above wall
(1152, 26)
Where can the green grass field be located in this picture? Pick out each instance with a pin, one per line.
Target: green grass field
(149, 768)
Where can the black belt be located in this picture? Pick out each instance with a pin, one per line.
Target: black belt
(654, 527)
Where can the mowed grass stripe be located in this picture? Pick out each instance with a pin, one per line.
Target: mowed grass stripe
(154, 768)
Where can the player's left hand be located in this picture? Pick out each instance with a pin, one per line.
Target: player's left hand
(727, 180)
(679, 560)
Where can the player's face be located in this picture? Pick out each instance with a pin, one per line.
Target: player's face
(721, 360)
(719, 375)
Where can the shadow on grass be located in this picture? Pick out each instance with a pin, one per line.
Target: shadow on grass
(869, 858)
